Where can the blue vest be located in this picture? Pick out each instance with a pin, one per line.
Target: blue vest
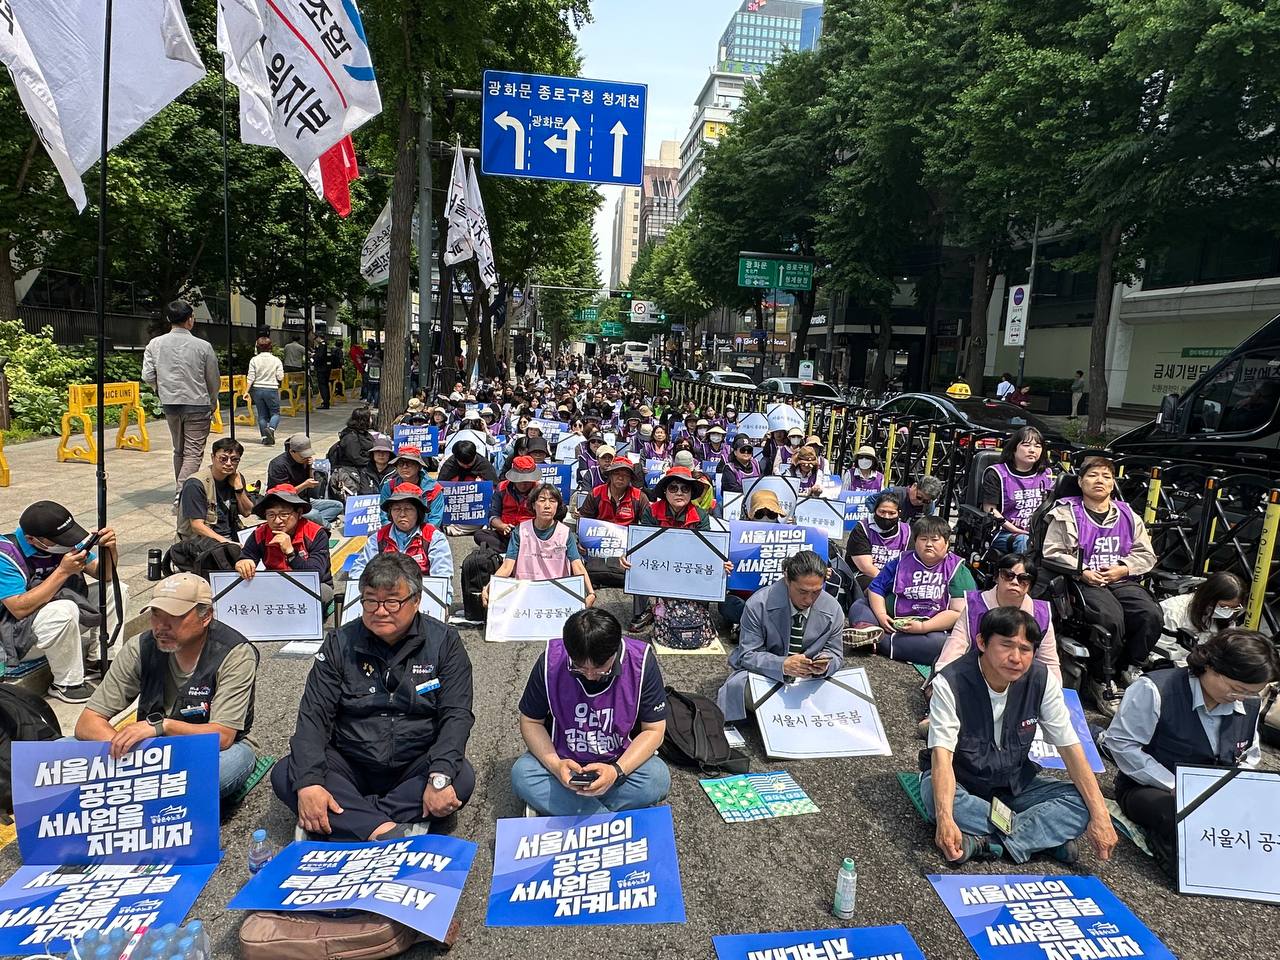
(981, 767)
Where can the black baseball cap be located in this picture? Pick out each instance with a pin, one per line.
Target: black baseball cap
(52, 521)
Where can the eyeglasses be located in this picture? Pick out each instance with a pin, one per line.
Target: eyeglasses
(279, 514)
(1023, 579)
(391, 605)
(595, 673)
(766, 515)
(676, 486)
(227, 458)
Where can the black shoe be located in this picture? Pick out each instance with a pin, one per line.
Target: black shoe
(1105, 696)
(77, 694)
(1067, 853)
(976, 848)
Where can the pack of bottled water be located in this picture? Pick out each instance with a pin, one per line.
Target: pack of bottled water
(169, 942)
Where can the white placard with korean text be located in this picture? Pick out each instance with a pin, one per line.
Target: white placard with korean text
(271, 606)
(828, 717)
(1228, 840)
(822, 514)
(532, 609)
(434, 601)
(677, 563)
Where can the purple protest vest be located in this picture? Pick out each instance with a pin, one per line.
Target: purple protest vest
(853, 481)
(1021, 496)
(921, 591)
(732, 465)
(886, 548)
(975, 606)
(1103, 547)
(36, 567)
(587, 728)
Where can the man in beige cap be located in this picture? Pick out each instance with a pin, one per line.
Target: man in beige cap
(190, 675)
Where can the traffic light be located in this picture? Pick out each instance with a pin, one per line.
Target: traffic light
(620, 294)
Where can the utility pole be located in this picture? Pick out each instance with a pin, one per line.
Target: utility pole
(1031, 292)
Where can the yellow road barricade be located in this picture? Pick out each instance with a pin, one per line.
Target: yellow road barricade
(82, 400)
(237, 388)
(291, 390)
(4, 465)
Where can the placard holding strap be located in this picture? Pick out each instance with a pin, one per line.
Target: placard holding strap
(1011, 916)
(271, 606)
(786, 489)
(362, 515)
(849, 943)
(532, 609)
(825, 717)
(466, 501)
(1228, 835)
(821, 513)
(601, 539)
(416, 881)
(423, 436)
(676, 563)
(433, 603)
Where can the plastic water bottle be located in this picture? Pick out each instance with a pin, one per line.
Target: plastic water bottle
(200, 937)
(260, 851)
(846, 899)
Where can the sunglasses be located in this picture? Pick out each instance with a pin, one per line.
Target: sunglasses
(678, 487)
(1023, 579)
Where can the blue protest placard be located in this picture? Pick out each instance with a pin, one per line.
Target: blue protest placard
(416, 881)
(551, 429)
(857, 506)
(758, 550)
(850, 943)
(466, 501)
(45, 907)
(600, 538)
(652, 476)
(606, 868)
(425, 437)
(362, 515)
(562, 128)
(1046, 754)
(559, 475)
(1028, 917)
(74, 804)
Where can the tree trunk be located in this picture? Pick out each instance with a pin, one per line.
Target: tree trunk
(488, 361)
(392, 403)
(8, 286)
(1108, 246)
(805, 300)
(973, 356)
(884, 339)
(260, 310)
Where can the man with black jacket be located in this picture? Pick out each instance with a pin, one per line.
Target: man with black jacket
(384, 720)
(295, 468)
(465, 463)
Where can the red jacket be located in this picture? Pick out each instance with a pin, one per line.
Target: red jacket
(416, 548)
(625, 513)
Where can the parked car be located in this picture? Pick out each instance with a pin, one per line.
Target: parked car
(727, 378)
(973, 413)
(809, 389)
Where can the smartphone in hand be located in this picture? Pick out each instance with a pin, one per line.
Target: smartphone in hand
(583, 778)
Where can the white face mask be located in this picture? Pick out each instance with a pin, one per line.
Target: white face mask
(1226, 613)
(865, 464)
(702, 432)
(795, 441)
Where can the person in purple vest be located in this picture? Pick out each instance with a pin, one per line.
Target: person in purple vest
(741, 467)
(1015, 575)
(592, 715)
(917, 598)
(1104, 544)
(865, 473)
(1016, 486)
(1203, 714)
(878, 539)
(544, 548)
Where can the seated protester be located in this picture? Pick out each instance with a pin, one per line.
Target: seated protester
(537, 448)
(1192, 618)
(706, 500)
(982, 722)
(594, 475)
(715, 448)
(190, 675)
(1015, 576)
(866, 473)
(465, 463)
(288, 541)
(294, 468)
(793, 440)
(411, 468)
(616, 500)
(594, 705)
(510, 504)
(1104, 544)
(791, 630)
(629, 429)
(1015, 487)
(210, 505)
(374, 765)
(544, 548)
(409, 533)
(658, 447)
(741, 468)
(1204, 714)
(587, 457)
(918, 498)
(804, 469)
(354, 441)
(687, 429)
(917, 598)
(348, 482)
(47, 608)
(878, 539)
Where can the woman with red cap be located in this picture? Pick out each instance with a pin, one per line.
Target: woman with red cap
(286, 542)
(410, 468)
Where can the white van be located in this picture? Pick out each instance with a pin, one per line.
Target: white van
(636, 354)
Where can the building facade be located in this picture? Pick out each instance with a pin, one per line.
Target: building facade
(626, 236)
(721, 94)
(761, 30)
(658, 202)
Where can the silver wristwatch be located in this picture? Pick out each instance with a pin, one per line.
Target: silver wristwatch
(440, 780)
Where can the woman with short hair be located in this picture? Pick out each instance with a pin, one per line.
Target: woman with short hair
(262, 389)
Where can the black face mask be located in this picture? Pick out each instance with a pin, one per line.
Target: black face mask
(887, 524)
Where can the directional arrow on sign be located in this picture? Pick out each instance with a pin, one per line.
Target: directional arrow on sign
(508, 122)
(619, 134)
(568, 143)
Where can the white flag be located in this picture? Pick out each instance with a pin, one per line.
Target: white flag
(458, 244)
(375, 255)
(478, 225)
(304, 73)
(54, 51)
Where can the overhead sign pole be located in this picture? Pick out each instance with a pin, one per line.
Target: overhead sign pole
(1018, 313)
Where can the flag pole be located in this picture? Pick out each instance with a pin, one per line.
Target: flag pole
(226, 261)
(102, 334)
(306, 309)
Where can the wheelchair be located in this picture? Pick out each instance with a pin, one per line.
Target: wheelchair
(976, 530)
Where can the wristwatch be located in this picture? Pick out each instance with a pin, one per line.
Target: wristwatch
(440, 780)
(157, 722)
(617, 768)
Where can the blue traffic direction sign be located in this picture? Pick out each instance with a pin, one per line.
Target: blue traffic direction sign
(562, 128)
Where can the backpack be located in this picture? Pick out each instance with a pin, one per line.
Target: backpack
(683, 625)
(23, 716)
(695, 735)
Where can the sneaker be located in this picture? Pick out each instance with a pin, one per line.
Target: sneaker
(1067, 853)
(77, 694)
(1105, 697)
(176, 497)
(976, 848)
(642, 622)
(271, 435)
(266, 442)
(861, 635)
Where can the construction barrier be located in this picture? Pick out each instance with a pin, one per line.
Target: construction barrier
(82, 400)
(4, 464)
(237, 389)
(291, 390)
(337, 387)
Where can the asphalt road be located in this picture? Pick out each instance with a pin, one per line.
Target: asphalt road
(770, 875)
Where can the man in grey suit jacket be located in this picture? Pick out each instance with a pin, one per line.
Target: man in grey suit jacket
(791, 630)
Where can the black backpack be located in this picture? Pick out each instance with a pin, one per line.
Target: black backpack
(23, 716)
(695, 735)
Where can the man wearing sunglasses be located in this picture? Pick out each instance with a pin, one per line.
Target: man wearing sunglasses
(592, 715)
(378, 752)
(214, 499)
